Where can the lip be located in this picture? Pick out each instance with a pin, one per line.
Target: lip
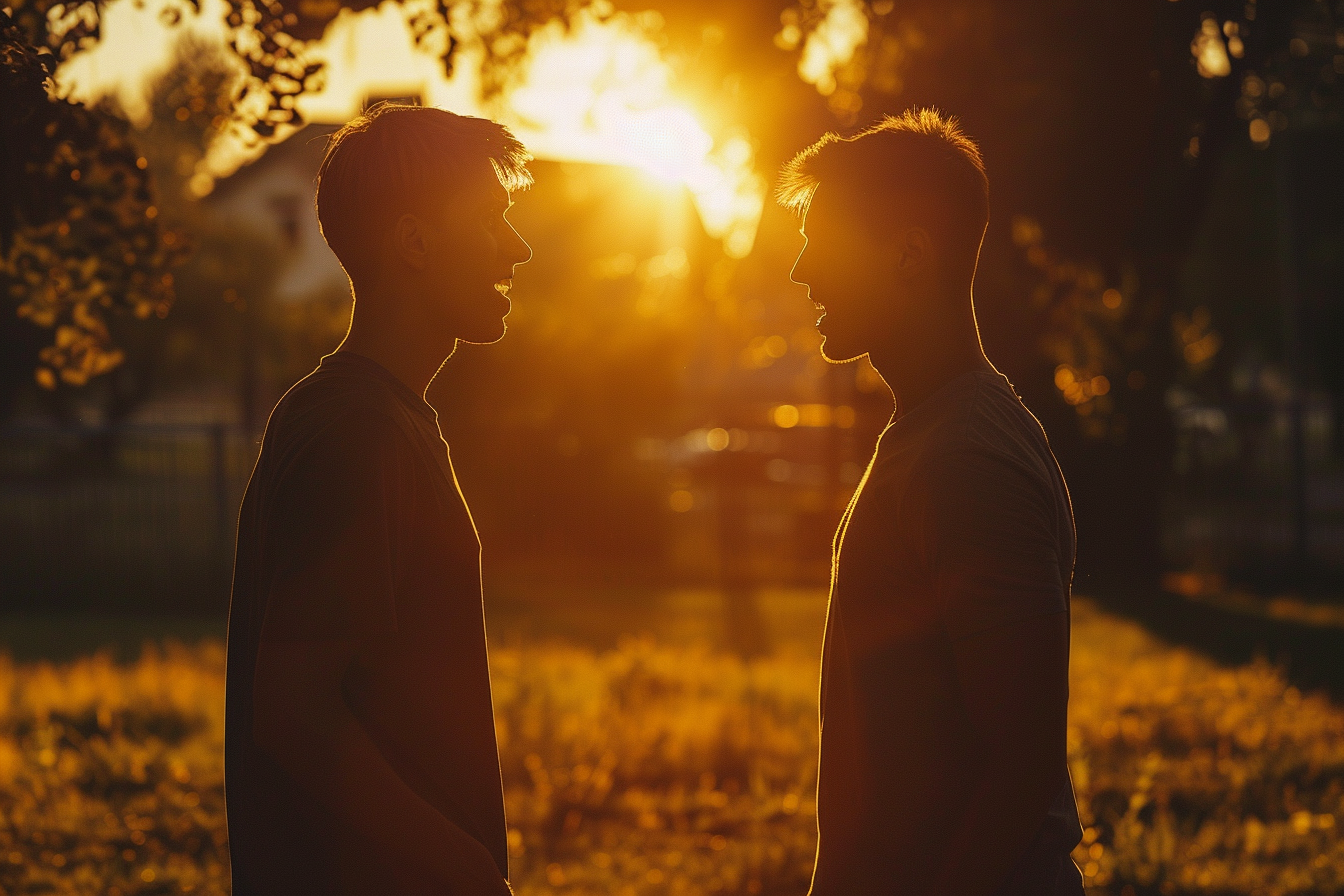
(503, 286)
(822, 308)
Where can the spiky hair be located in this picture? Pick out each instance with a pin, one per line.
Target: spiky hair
(925, 138)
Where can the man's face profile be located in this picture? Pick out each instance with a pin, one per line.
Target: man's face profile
(844, 268)
(470, 251)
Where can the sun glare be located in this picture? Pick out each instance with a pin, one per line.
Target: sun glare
(600, 90)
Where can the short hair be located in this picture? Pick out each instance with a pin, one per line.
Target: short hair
(920, 160)
(384, 162)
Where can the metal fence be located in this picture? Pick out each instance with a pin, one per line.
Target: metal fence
(135, 517)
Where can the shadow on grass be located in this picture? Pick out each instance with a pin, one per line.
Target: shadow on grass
(1311, 655)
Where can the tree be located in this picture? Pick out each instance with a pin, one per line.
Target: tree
(223, 280)
(1236, 80)
(79, 235)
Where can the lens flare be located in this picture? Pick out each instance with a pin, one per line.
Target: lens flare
(600, 90)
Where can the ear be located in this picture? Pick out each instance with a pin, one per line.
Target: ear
(408, 236)
(914, 251)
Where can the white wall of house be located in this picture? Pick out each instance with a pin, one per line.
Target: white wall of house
(274, 196)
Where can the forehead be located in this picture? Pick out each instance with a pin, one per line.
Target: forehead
(825, 210)
(467, 192)
(496, 191)
(479, 184)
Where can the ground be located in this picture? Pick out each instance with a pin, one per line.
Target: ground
(676, 766)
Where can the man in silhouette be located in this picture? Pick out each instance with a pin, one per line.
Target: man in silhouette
(945, 669)
(360, 751)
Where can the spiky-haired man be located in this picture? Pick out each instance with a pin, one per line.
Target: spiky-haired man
(945, 670)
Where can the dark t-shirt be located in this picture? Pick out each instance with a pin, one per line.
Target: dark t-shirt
(354, 487)
(961, 524)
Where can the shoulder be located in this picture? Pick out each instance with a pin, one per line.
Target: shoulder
(328, 394)
(995, 458)
(969, 479)
(990, 435)
(335, 401)
(976, 425)
(329, 421)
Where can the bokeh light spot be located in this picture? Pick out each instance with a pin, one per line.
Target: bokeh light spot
(785, 416)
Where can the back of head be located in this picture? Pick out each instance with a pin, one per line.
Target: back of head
(394, 159)
(914, 169)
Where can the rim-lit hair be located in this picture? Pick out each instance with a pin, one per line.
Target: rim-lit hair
(919, 165)
(387, 161)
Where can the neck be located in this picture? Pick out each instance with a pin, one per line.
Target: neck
(401, 349)
(938, 354)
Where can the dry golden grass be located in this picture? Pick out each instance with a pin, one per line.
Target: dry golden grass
(650, 770)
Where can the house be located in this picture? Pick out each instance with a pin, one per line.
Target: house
(274, 194)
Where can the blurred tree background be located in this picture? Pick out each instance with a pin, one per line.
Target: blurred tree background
(1161, 281)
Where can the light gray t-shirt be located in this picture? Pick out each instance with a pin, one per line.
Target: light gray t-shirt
(961, 524)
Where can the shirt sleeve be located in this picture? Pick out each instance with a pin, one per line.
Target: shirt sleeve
(991, 542)
(333, 533)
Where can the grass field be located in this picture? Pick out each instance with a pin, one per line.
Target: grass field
(648, 768)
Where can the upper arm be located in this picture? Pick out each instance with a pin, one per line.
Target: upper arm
(331, 543)
(297, 688)
(994, 551)
(333, 534)
(992, 544)
(1013, 681)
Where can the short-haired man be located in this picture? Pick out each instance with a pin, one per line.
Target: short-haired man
(360, 752)
(945, 669)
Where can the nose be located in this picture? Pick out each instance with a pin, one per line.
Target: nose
(799, 273)
(520, 251)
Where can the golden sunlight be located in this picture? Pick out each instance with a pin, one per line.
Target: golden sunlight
(599, 90)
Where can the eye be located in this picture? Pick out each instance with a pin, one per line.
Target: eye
(493, 217)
